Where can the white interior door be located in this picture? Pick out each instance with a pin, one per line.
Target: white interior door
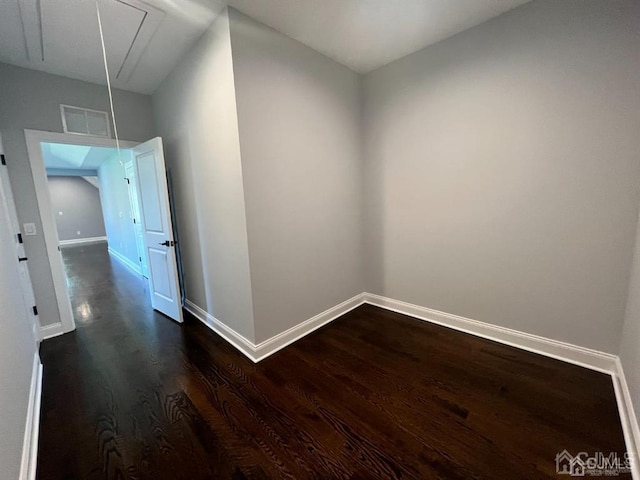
(159, 244)
(11, 218)
(129, 171)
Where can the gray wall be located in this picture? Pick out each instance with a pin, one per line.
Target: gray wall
(298, 116)
(79, 202)
(17, 350)
(502, 171)
(31, 99)
(630, 343)
(195, 111)
(116, 206)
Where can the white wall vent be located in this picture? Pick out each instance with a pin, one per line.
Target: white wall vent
(84, 121)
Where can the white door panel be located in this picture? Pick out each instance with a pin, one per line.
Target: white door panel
(153, 198)
(160, 272)
(136, 216)
(8, 205)
(150, 198)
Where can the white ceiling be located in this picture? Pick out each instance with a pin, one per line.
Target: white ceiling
(75, 157)
(367, 34)
(145, 39)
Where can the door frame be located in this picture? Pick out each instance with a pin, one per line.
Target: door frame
(33, 139)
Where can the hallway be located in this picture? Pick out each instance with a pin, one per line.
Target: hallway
(105, 373)
(131, 394)
(100, 286)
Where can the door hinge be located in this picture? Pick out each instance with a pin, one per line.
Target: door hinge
(3, 160)
(140, 258)
(35, 310)
(134, 220)
(20, 238)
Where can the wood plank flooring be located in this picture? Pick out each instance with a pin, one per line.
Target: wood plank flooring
(133, 395)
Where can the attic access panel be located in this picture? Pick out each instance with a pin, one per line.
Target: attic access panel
(64, 34)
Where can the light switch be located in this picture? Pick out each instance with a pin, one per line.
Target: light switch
(29, 228)
(59, 213)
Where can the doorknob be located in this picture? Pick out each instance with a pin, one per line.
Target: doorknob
(168, 243)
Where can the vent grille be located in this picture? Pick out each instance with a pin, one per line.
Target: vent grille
(84, 121)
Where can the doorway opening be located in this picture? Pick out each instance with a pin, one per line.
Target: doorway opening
(93, 201)
(133, 201)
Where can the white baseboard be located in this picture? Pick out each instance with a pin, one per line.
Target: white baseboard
(566, 352)
(281, 340)
(234, 338)
(628, 418)
(262, 350)
(81, 241)
(125, 261)
(584, 357)
(50, 331)
(32, 427)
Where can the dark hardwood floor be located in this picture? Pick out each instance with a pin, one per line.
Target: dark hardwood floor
(133, 395)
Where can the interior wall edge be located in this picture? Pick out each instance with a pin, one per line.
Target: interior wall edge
(294, 103)
(630, 426)
(192, 108)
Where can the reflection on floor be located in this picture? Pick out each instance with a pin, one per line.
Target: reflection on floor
(96, 280)
(131, 394)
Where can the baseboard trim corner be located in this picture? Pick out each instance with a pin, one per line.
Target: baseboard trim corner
(125, 261)
(245, 346)
(262, 350)
(281, 340)
(29, 461)
(51, 331)
(584, 357)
